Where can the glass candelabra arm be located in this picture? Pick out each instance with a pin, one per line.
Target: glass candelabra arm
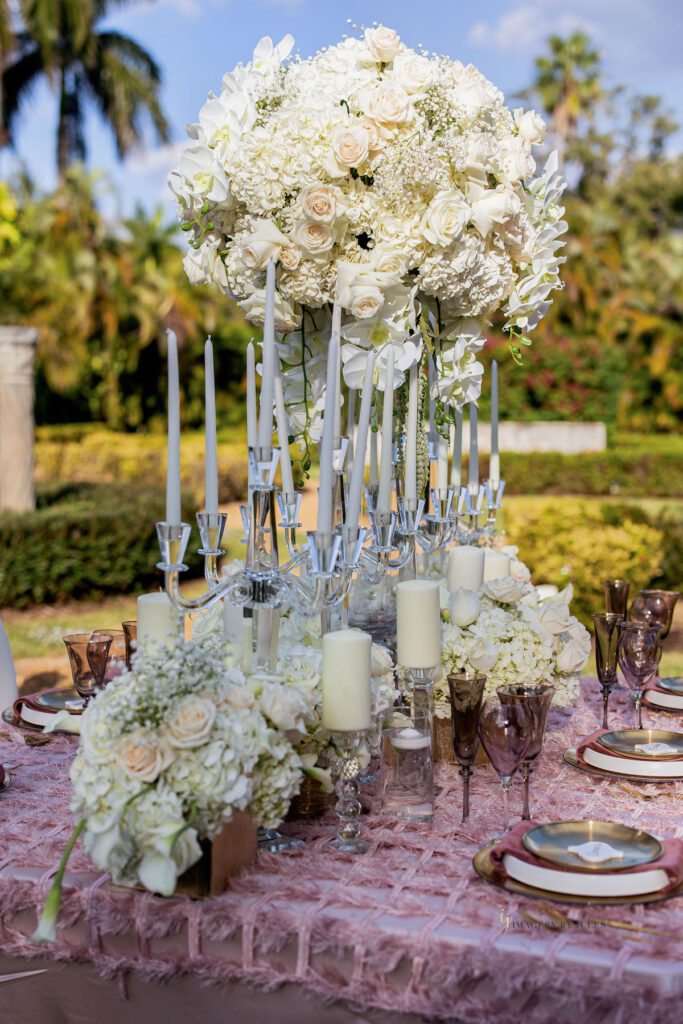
(211, 529)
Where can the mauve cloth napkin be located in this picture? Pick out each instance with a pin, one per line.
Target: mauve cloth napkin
(671, 860)
(29, 702)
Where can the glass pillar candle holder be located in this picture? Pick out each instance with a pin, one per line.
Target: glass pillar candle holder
(407, 768)
(348, 808)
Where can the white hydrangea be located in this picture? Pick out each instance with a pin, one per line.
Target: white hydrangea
(407, 169)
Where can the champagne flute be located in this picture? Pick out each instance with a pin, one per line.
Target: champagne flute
(505, 731)
(606, 645)
(616, 596)
(639, 654)
(537, 699)
(466, 692)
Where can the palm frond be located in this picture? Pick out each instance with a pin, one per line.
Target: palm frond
(18, 81)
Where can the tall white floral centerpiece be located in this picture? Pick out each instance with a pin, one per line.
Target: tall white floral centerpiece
(398, 184)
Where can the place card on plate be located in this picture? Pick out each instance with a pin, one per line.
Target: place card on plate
(616, 752)
(646, 866)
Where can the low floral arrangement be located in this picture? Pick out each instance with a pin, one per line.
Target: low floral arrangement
(398, 183)
(511, 634)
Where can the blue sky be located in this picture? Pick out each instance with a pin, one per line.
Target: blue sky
(196, 41)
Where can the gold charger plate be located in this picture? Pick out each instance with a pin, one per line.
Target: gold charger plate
(550, 842)
(484, 867)
(624, 741)
(674, 684)
(10, 718)
(60, 701)
(572, 759)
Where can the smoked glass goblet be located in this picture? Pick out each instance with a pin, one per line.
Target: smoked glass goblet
(606, 644)
(537, 700)
(116, 657)
(616, 596)
(639, 654)
(655, 608)
(505, 732)
(88, 661)
(130, 632)
(466, 693)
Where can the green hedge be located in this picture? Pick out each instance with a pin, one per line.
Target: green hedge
(83, 541)
(617, 471)
(588, 541)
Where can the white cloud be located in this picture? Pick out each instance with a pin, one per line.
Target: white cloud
(525, 28)
(161, 159)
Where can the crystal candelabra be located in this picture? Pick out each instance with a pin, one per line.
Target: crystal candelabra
(317, 576)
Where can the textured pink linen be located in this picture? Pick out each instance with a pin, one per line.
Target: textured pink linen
(671, 860)
(407, 927)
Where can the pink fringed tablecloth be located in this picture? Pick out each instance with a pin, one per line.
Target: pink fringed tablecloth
(409, 927)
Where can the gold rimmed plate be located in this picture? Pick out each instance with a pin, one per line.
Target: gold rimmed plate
(484, 867)
(673, 684)
(572, 758)
(60, 700)
(625, 741)
(552, 842)
(10, 718)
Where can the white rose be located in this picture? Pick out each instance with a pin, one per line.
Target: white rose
(464, 607)
(354, 275)
(495, 207)
(415, 73)
(530, 125)
(555, 616)
(265, 241)
(287, 317)
(365, 301)
(579, 633)
(483, 655)
(290, 257)
(143, 754)
(315, 239)
(474, 91)
(189, 724)
(445, 218)
(516, 159)
(383, 43)
(507, 590)
(351, 146)
(519, 571)
(235, 697)
(371, 130)
(388, 258)
(285, 706)
(389, 104)
(572, 657)
(321, 203)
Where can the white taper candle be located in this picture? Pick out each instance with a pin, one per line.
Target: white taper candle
(327, 443)
(251, 396)
(211, 453)
(283, 434)
(456, 464)
(410, 488)
(265, 427)
(358, 472)
(386, 467)
(173, 515)
(336, 331)
(494, 469)
(474, 451)
(346, 674)
(374, 461)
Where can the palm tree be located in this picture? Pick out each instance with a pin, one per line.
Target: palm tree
(60, 40)
(6, 40)
(568, 85)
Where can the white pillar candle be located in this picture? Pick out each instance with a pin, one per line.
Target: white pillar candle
(466, 568)
(346, 680)
(418, 624)
(374, 472)
(327, 443)
(173, 449)
(456, 464)
(283, 434)
(496, 566)
(410, 486)
(494, 468)
(159, 621)
(336, 332)
(265, 427)
(474, 452)
(251, 395)
(211, 452)
(386, 468)
(358, 473)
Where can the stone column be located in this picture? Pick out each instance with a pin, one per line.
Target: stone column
(17, 352)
